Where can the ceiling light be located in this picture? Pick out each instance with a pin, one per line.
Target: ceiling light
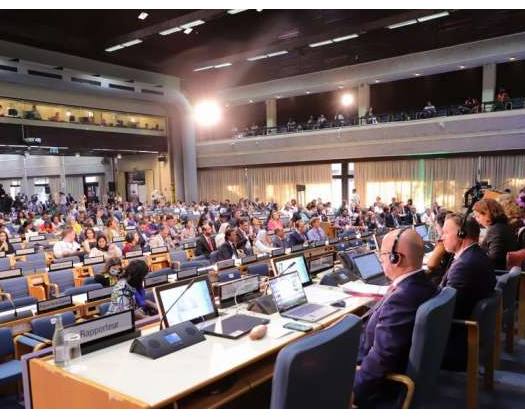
(187, 31)
(417, 74)
(258, 57)
(401, 24)
(235, 11)
(345, 38)
(114, 48)
(278, 97)
(170, 31)
(275, 54)
(320, 44)
(308, 92)
(461, 67)
(192, 24)
(133, 42)
(143, 16)
(378, 81)
(340, 87)
(347, 99)
(209, 67)
(222, 65)
(251, 101)
(207, 113)
(431, 17)
(512, 59)
(259, 10)
(119, 156)
(77, 155)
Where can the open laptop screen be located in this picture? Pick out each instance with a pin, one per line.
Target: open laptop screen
(422, 230)
(300, 266)
(287, 291)
(368, 265)
(195, 305)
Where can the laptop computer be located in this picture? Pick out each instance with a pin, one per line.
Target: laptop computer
(369, 269)
(422, 230)
(291, 302)
(280, 264)
(198, 306)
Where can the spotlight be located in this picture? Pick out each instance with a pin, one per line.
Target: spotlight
(207, 113)
(119, 156)
(77, 155)
(347, 99)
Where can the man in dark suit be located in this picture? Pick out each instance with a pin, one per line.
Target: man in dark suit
(385, 343)
(229, 248)
(279, 239)
(471, 273)
(298, 235)
(205, 243)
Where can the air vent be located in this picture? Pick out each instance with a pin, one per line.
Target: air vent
(85, 81)
(8, 68)
(120, 87)
(152, 92)
(44, 74)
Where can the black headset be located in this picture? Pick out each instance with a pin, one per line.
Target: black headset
(462, 232)
(394, 255)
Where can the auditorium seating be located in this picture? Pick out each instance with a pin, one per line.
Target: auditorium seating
(10, 369)
(261, 269)
(317, 371)
(18, 291)
(508, 286)
(44, 328)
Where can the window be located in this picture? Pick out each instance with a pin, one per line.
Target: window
(41, 184)
(15, 188)
(337, 169)
(91, 179)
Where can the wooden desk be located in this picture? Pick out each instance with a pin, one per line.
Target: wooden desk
(109, 378)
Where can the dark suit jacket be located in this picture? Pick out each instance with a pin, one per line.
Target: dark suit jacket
(278, 242)
(472, 275)
(498, 241)
(389, 220)
(385, 343)
(296, 238)
(203, 247)
(226, 251)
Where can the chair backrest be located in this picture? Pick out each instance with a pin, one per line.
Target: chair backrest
(98, 268)
(228, 275)
(103, 308)
(82, 290)
(36, 259)
(258, 269)
(74, 259)
(44, 328)
(317, 371)
(160, 272)
(485, 314)
(64, 279)
(6, 342)
(508, 285)
(214, 256)
(17, 287)
(179, 256)
(429, 340)
(5, 264)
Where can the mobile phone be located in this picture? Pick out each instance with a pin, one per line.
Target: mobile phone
(298, 326)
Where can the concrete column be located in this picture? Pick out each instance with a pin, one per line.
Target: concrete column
(62, 174)
(175, 152)
(271, 113)
(488, 92)
(25, 182)
(363, 99)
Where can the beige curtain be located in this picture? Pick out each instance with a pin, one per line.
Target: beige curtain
(276, 184)
(75, 186)
(504, 172)
(150, 184)
(222, 184)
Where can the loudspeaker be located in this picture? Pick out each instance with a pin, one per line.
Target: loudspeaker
(167, 341)
(47, 189)
(111, 187)
(264, 305)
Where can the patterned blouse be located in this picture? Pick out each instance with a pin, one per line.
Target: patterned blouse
(122, 297)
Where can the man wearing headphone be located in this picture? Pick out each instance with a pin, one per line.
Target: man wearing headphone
(471, 273)
(385, 343)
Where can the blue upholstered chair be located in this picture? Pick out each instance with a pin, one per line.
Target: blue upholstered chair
(160, 272)
(261, 269)
(193, 264)
(98, 268)
(63, 279)
(82, 290)
(429, 340)
(228, 275)
(214, 257)
(508, 285)
(317, 371)
(5, 264)
(11, 369)
(178, 256)
(18, 291)
(103, 309)
(44, 328)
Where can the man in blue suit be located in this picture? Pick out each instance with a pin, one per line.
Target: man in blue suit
(385, 343)
(471, 273)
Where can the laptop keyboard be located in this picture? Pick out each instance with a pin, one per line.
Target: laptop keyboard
(311, 311)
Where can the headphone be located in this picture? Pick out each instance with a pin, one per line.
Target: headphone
(394, 255)
(461, 232)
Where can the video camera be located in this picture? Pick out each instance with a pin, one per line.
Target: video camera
(475, 193)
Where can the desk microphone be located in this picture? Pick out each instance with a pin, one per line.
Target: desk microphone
(176, 301)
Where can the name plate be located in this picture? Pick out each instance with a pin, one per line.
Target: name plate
(333, 241)
(15, 240)
(36, 238)
(10, 273)
(278, 252)
(99, 294)
(225, 264)
(93, 260)
(129, 228)
(248, 259)
(263, 256)
(54, 304)
(118, 239)
(103, 328)
(160, 249)
(190, 245)
(28, 251)
(134, 254)
(61, 265)
(297, 248)
(188, 273)
(156, 280)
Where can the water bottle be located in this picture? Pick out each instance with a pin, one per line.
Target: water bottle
(59, 347)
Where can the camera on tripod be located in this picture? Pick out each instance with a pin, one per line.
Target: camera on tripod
(475, 193)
